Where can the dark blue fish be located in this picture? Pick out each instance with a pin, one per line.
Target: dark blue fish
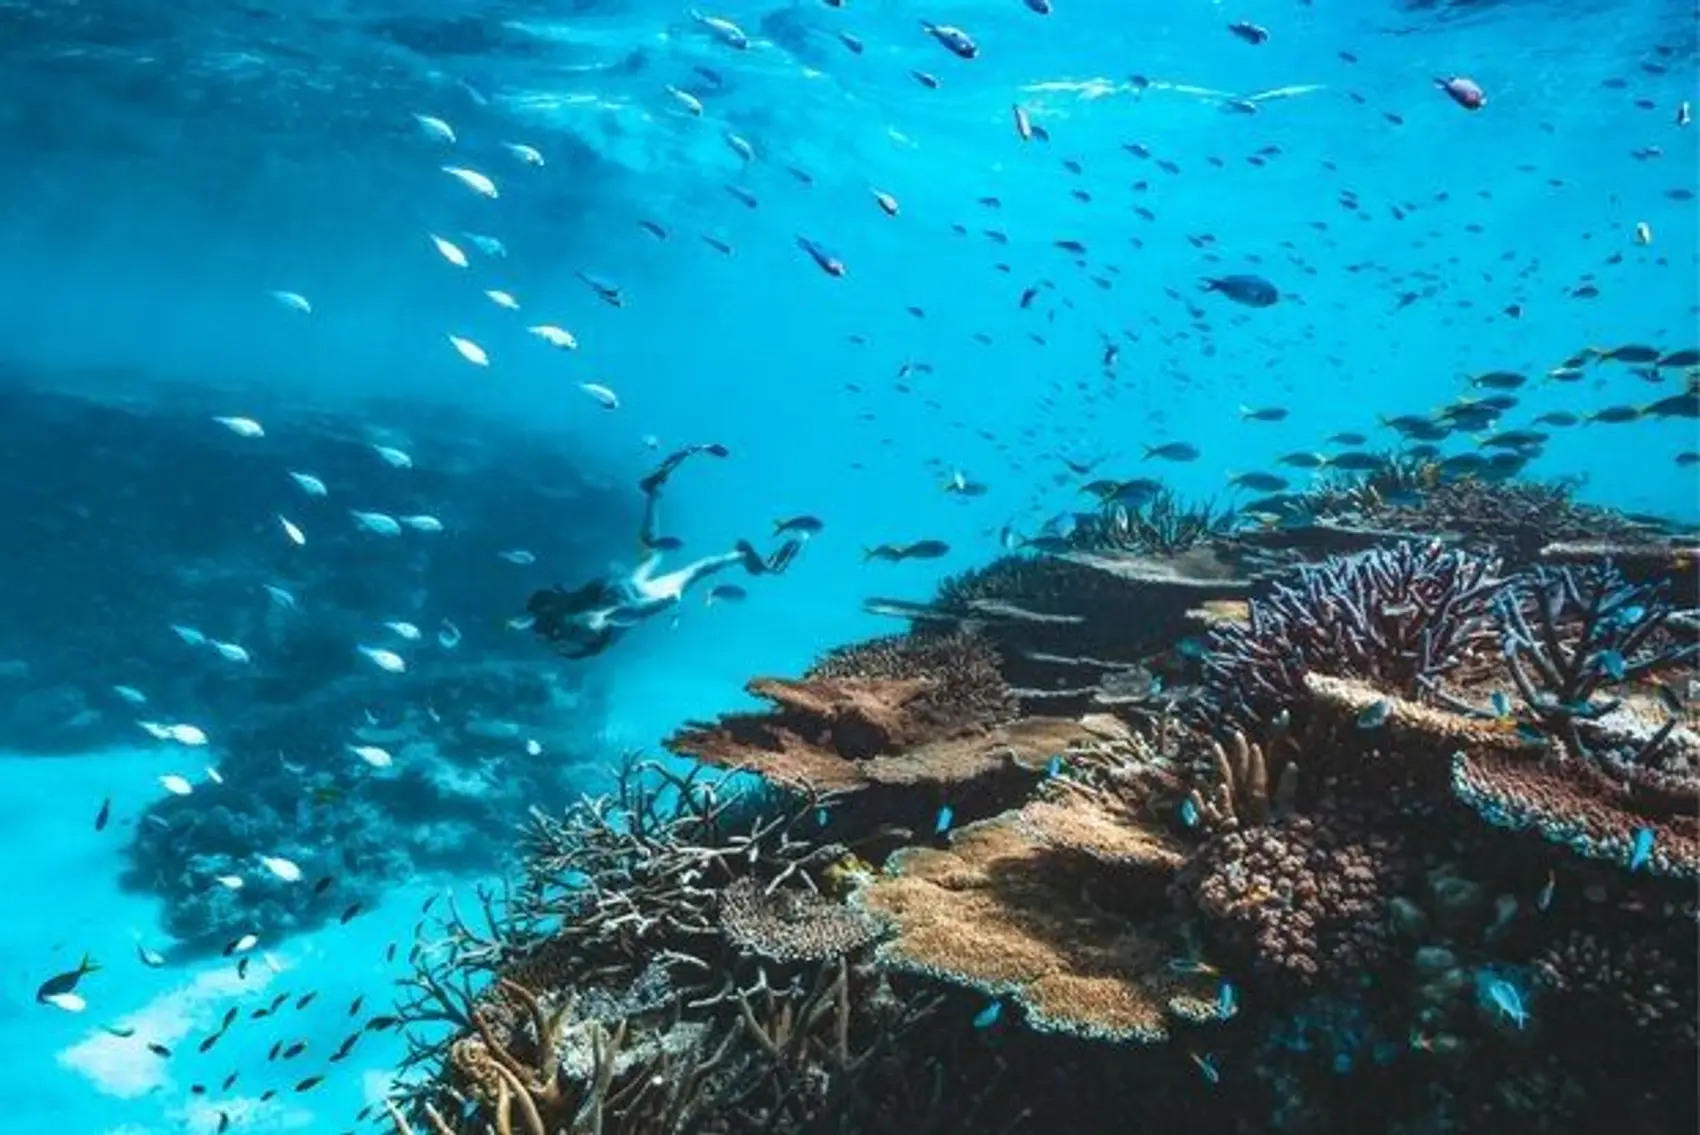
(827, 262)
(1252, 291)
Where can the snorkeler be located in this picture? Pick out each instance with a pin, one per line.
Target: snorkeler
(591, 618)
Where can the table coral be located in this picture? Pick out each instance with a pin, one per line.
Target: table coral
(1569, 802)
(1004, 914)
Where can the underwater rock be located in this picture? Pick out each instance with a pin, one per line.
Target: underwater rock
(54, 719)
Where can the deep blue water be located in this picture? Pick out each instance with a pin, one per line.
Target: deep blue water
(169, 168)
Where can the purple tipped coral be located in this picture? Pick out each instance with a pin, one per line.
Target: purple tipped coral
(1590, 629)
(1397, 617)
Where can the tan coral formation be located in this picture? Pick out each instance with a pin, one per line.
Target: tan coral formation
(965, 685)
(849, 734)
(1240, 794)
(1101, 833)
(791, 925)
(1419, 731)
(1004, 913)
(1568, 802)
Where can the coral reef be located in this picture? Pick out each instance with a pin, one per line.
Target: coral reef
(963, 667)
(1299, 830)
(1590, 629)
(1074, 632)
(460, 774)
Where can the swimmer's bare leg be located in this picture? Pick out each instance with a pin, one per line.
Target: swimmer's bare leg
(691, 573)
(652, 483)
(647, 534)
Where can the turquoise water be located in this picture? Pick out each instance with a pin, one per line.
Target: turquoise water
(171, 168)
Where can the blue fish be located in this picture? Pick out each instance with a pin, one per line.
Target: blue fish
(1189, 813)
(1507, 1000)
(1501, 704)
(1642, 849)
(821, 816)
(1191, 647)
(1631, 614)
(1207, 1067)
(945, 816)
(1225, 1000)
(988, 1016)
(1061, 526)
(1053, 768)
(1613, 664)
(1376, 715)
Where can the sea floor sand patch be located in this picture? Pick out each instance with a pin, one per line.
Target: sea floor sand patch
(126, 1067)
(85, 1079)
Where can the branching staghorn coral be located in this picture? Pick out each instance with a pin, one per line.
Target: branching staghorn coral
(1163, 526)
(1590, 629)
(1396, 617)
(668, 963)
